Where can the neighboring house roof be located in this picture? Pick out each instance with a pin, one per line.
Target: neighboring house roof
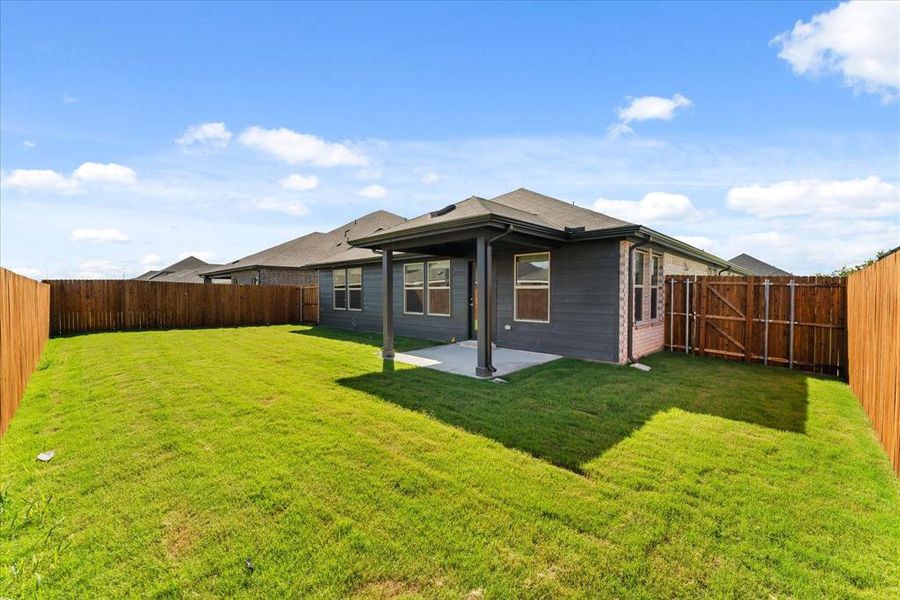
(186, 270)
(315, 247)
(537, 213)
(758, 267)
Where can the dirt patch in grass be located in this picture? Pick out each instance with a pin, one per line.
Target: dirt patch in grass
(179, 535)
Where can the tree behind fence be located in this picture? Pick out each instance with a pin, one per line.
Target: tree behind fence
(873, 316)
(78, 306)
(24, 318)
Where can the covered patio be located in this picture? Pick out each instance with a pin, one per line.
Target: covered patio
(472, 229)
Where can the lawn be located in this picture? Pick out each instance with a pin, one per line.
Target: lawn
(182, 454)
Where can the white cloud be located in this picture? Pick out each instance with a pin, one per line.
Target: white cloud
(213, 135)
(647, 108)
(288, 207)
(150, 259)
(39, 180)
(301, 148)
(204, 255)
(105, 173)
(97, 235)
(653, 207)
(869, 197)
(372, 191)
(29, 144)
(67, 99)
(430, 178)
(300, 182)
(858, 40)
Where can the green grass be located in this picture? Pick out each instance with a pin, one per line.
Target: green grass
(180, 454)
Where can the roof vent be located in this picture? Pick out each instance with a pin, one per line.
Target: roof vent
(440, 213)
(571, 230)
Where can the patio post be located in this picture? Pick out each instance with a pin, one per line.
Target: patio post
(484, 368)
(387, 303)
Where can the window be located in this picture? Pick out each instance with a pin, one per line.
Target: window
(354, 288)
(639, 258)
(532, 293)
(655, 284)
(340, 289)
(439, 288)
(414, 288)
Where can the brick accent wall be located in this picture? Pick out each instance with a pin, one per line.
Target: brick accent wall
(288, 277)
(648, 338)
(623, 301)
(275, 277)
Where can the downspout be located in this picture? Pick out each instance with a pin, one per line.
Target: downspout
(631, 295)
(491, 292)
(723, 270)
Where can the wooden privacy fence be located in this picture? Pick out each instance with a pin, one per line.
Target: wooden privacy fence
(78, 306)
(24, 319)
(797, 322)
(873, 318)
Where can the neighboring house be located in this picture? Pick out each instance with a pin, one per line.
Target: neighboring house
(184, 271)
(561, 279)
(756, 266)
(288, 263)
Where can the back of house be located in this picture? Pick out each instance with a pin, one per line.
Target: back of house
(564, 279)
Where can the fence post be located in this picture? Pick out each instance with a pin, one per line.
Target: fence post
(701, 327)
(687, 316)
(748, 327)
(791, 286)
(671, 314)
(766, 331)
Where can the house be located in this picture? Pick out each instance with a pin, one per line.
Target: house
(756, 266)
(522, 270)
(289, 263)
(186, 270)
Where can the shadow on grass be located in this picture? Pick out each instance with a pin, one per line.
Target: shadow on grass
(569, 412)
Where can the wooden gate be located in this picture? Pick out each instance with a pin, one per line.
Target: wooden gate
(798, 322)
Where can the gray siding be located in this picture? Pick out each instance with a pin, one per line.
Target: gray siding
(584, 303)
(420, 326)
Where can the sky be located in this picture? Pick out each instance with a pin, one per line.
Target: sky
(132, 135)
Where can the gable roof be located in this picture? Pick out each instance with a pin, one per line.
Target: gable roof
(757, 266)
(560, 214)
(537, 214)
(314, 247)
(186, 270)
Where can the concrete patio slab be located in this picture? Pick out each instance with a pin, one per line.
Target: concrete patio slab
(460, 359)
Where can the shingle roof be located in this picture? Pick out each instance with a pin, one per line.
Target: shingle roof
(519, 205)
(556, 217)
(472, 207)
(560, 214)
(315, 247)
(757, 266)
(186, 270)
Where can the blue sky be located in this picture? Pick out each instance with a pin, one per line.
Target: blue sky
(766, 128)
